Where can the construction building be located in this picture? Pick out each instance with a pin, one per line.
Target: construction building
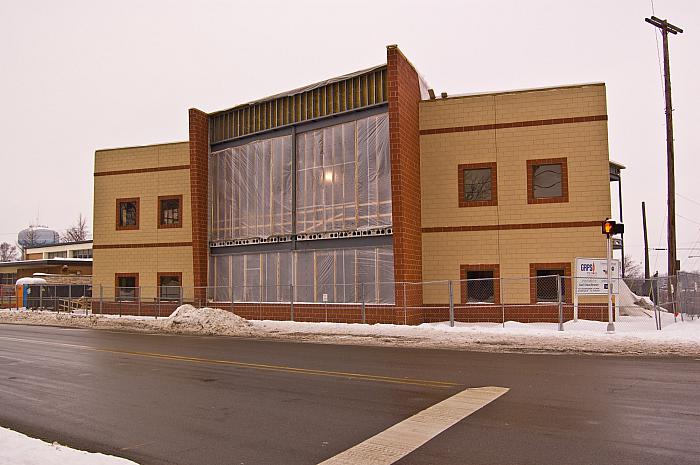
(347, 195)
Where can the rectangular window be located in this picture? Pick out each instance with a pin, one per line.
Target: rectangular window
(547, 180)
(170, 211)
(8, 278)
(126, 287)
(251, 190)
(82, 253)
(61, 254)
(543, 282)
(169, 286)
(477, 185)
(344, 176)
(480, 284)
(127, 213)
(333, 276)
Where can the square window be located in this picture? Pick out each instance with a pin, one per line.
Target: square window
(169, 286)
(170, 211)
(480, 286)
(126, 287)
(127, 213)
(477, 185)
(547, 181)
(546, 282)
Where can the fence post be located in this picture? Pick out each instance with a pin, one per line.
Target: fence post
(452, 304)
(70, 295)
(362, 297)
(561, 304)
(404, 304)
(138, 293)
(503, 305)
(101, 299)
(180, 294)
(291, 301)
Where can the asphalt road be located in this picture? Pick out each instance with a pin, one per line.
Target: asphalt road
(160, 399)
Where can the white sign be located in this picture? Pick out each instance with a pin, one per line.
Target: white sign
(592, 276)
(325, 297)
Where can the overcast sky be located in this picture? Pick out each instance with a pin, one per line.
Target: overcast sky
(77, 76)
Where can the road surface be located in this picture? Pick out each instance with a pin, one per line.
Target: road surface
(164, 399)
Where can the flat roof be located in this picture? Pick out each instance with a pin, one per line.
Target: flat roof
(142, 146)
(59, 244)
(46, 262)
(515, 91)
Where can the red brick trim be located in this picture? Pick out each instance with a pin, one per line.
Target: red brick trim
(494, 185)
(199, 174)
(160, 211)
(464, 284)
(564, 180)
(515, 124)
(140, 246)
(566, 266)
(138, 214)
(126, 275)
(143, 170)
(504, 227)
(403, 98)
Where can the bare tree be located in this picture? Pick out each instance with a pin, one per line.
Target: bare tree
(634, 276)
(77, 232)
(8, 252)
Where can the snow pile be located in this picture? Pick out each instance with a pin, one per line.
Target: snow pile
(18, 449)
(210, 321)
(634, 335)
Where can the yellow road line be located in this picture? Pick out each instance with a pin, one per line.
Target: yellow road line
(255, 366)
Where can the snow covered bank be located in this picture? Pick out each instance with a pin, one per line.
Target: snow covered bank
(18, 449)
(635, 335)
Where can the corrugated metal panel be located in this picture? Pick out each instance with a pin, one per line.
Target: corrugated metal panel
(335, 96)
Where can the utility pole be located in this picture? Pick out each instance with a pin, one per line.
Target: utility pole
(667, 27)
(646, 243)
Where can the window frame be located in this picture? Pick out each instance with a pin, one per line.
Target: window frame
(117, 296)
(568, 288)
(136, 200)
(160, 211)
(531, 164)
(164, 274)
(494, 184)
(463, 284)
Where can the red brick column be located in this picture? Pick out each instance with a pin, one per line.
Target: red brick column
(404, 139)
(199, 174)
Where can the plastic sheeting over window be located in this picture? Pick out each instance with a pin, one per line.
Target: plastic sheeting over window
(251, 190)
(344, 176)
(334, 276)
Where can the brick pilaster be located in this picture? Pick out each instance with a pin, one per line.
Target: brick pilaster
(404, 138)
(199, 173)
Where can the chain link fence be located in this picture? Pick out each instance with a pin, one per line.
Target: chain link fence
(637, 303)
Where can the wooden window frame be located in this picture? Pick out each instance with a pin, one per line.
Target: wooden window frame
(117, 286)
(564, 197)
(160, 211)
(494, 185)
(167, 273)
(463, 290)
(568, 281)
(138, 214)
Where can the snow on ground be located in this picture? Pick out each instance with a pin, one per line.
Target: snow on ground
(634, 335)
(18, 449)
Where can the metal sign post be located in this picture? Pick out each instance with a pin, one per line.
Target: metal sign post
(611, 325)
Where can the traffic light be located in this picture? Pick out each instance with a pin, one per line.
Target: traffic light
(610, 228)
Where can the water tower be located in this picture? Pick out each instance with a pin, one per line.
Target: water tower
(35, 236)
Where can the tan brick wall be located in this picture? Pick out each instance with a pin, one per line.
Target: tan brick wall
(583, 144)
(135, 252)
(147, 262)
(149, 156)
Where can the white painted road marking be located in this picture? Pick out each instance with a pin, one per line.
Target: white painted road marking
(403, 438)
